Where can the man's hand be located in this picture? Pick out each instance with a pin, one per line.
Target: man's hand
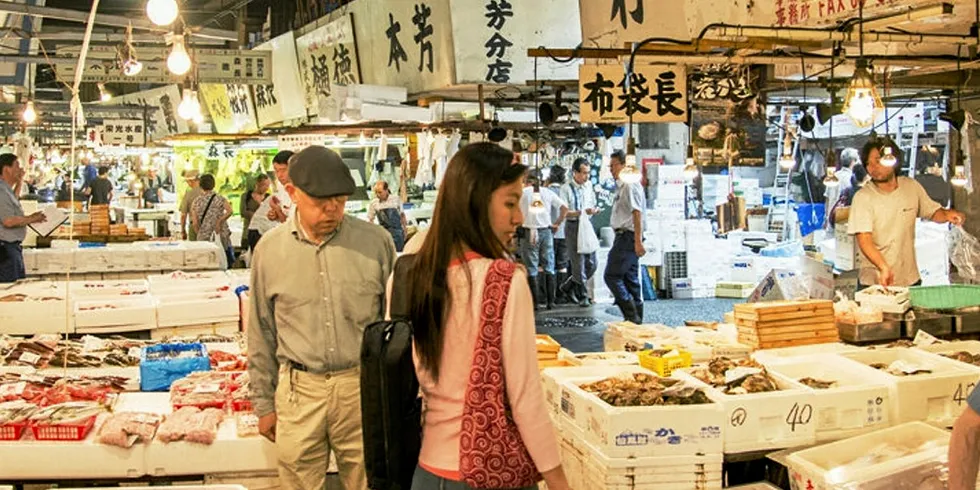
(267, 426)
(592, 212)
(955, 217)
(639, 249)
(886, 277)
(554, 227)
(37, 217)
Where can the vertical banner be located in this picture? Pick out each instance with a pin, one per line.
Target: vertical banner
(283, 99)
(162, 121)
(656, 93)
(230, 107)
(327, 57)
(491, 39)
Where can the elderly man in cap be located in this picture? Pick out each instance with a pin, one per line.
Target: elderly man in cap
(317, 282)
(193, 180)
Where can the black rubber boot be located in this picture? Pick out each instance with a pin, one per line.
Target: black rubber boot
(551, 288)
(583, 292)
(638, 306)
(568, 289)
(629, 311)
(535, 293)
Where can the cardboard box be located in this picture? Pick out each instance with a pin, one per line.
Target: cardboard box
(780, 284)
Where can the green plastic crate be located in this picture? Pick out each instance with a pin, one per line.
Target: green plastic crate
(945, 297)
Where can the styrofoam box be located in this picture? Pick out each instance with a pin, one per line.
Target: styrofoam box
(786, 354)
(127, 314)
(127, 257)
(772, 420)
(635, 432)
(847, 249)
(935, 397)
(30, 261)
(53, 261)
(202, 255)
(165, 256)
(224, 328)
(551, 378)
(823, 467)
(671, 191)
(622, 334)
(899, 303)
(971, 346)
(859, 403)
(35, 317)
(621, 358)
(95, 259)
(102, 289)
(197, 308)
(743, 270)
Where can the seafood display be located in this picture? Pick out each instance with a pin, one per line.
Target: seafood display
(191, 424)
(964, 356)
(127, 428)
(16, 412)
(209, 389)
(52, 390)
(817, 383)
(88, 352)
(69, 413)
(902, 368)
(35, 352)
(224, 361)
(644, 390)
(736, 377)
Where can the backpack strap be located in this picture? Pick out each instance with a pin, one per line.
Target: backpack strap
(399, 288)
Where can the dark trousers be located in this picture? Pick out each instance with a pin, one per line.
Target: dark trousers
(11, 262)
(253, 238)
(398, 236)
(623, 269)
(561, 255)
(582, 265)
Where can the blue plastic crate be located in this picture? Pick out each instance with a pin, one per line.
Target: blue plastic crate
(159, 374)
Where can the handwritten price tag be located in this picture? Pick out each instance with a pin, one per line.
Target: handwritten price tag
(799, 415)
(962, 393)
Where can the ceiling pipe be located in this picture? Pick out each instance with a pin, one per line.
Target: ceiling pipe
(109, 20)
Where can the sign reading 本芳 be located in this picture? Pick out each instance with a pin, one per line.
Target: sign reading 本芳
(655, 93)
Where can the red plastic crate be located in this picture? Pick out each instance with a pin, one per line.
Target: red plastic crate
(12, 432)
(241, 405)
(63, 432)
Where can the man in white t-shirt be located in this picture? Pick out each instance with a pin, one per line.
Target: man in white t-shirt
(276, 209)
(883, 217)
(538, 243)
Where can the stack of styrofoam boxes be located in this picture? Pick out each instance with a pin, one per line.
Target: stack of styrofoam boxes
(671, 192)
(201, 255)
(847, 251)
(196, 299)
(115, 314)
(165, 256)
(44, 310)
(705, 266)
(763, 421)
(937, 397)
(910, 456)
(127, 257)
(932, 253)
(659, 447)
(714, 190)
(748, 189)
(681, 288)
(859, 402)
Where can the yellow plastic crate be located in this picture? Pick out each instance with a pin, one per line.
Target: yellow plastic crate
(664, 366)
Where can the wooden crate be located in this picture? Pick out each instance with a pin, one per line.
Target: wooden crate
(786, 323)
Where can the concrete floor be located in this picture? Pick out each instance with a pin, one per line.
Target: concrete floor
(580, 329)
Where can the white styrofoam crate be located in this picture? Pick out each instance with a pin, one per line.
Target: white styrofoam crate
(622, 336)
(936, 398)
(108, 288)
(30, 261)
(971, 346)
(551, 378)
(825, 467)
(165, 255)
(622, 358)
(197, 308)
(202, 255)
(861, 402)
(115, 314)
(35, 317)
(225, 328)
(127, 257)
(847, 250)
(773, 420)
(634, 432)
(53, 260)
(786, 354)
(92, 259)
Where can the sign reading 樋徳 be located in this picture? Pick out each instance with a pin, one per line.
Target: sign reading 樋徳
(655, 93)
(328, 57)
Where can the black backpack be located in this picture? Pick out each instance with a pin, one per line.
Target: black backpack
(391, 409)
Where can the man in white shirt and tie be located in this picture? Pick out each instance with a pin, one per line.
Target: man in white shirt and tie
(582, 204)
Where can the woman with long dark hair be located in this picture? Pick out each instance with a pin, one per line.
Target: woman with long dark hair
(473, 319)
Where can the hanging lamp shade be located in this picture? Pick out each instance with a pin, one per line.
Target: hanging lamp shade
(862, 100)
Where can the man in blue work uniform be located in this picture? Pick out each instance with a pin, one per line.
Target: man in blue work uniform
(623, 267)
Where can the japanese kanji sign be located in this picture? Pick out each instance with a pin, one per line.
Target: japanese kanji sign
(491, 39)
(654, 93)
(127, 132)
(611, 23)
(327, 57)
(162, 121)
(210, 65)
(723, 82)
(815, 12)
(230, 107)
(283, 99)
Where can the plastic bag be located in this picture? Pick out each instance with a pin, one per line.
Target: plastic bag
(964, 253)
(588, 242)
(848, 311)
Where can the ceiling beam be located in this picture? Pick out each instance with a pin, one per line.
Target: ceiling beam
(109, 20)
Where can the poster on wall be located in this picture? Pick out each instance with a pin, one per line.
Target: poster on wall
(327, 57)
(162, 121)
(230, 107)
(721, 124)
(656, 93)
(491, 39)
(283, 99)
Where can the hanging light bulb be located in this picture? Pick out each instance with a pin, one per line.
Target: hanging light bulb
(179, 62)
(189, 106)
(104, 94)
(831, 179)
(537, 202)
(690, 166)
(959, 177)
(162, 12)
(887, 158)
(862, 99)
(29, 115)
(630, 173)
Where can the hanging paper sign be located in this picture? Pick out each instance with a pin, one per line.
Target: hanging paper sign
(612, 23)
(327, 57)
(283, 99)
(723, 82)
(296, 142)
(210, 65)
(162, 121)
(128, 132)
(230, 107)
(491, 39)
(93, 136)
(656, 93)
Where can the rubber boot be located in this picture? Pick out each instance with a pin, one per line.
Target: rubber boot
(532, 281)
(628, 309)
(568, 288)
(638, 306)
(583, 292)
(551, 289)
